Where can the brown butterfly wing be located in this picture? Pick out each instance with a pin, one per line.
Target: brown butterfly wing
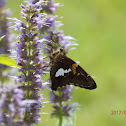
(76, 76)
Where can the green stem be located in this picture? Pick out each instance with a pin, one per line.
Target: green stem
(29, 54)
(29, 50)
(60, 111)
(2, 80)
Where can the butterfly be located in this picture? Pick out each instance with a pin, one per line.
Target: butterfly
(64, 71)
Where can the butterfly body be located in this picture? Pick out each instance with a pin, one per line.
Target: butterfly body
(64, 71)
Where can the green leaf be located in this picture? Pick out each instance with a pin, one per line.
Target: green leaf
(6, 60)
(2, 37)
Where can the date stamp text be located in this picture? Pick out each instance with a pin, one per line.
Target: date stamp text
(118, 112)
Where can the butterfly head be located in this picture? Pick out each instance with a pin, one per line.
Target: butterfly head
(60, 51)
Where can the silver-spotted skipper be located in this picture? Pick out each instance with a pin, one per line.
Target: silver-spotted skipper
(65, 71)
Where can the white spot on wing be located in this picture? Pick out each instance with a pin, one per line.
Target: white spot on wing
(61, 72)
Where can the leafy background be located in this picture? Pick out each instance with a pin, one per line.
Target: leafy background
(100, 28)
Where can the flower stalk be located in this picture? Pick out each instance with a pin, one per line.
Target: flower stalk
(60, 112)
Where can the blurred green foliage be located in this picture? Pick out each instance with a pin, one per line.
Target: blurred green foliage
(6, 60)
(100, 28)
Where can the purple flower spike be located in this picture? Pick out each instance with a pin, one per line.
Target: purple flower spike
(64, 97)
(11, 107)
(29, 58)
